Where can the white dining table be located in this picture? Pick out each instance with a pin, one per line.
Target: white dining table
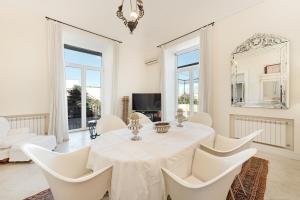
(137, 164)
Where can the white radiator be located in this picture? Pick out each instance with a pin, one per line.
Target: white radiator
(276, 132)
(37, 123)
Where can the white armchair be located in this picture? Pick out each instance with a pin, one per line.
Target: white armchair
(109, 123)
(202, 118)
(223, 146)
(67, 175)
(211, 177)
(12, 139)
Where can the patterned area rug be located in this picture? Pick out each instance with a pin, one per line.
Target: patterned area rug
(44, 195)
(253, 175)
(254, 178)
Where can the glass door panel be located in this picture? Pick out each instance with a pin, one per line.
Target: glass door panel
(184, 91)
(73, 86)
(93, 95)
(195, 89)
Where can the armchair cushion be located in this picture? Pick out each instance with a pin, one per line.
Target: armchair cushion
(225, 144)
(13, 139)
(206, 166)
(71, 165)
(13, 143)
(45, 141)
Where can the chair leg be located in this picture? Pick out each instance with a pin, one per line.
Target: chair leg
(239, 178)
(232, 195)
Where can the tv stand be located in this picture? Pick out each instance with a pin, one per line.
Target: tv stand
(154, 115)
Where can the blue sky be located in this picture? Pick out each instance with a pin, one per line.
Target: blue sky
(92, 77)
(82, 58)
(188, 58)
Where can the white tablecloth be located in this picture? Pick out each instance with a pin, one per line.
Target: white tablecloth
(137, 164)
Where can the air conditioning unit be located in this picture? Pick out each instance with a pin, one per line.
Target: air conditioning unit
(151, 61)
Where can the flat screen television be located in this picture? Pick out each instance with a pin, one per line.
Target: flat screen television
(146, 101)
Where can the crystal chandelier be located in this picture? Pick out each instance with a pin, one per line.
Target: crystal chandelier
(135, 14)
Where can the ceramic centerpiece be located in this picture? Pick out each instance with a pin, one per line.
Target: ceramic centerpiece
(180, 117)
(135, 126)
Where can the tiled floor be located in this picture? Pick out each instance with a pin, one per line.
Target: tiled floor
(76, 141)
(283, 181)
(18, 181)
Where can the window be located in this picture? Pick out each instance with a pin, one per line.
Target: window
(83, 69)
(187, 79)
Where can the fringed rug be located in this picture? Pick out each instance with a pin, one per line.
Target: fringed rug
(253, 175)
(254, 178)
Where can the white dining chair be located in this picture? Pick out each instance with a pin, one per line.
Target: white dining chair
(224, 146)
(109, 123)
(202, 118)
(211, 177)
(143, 119)
(67, 175)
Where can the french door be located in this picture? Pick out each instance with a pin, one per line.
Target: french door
(187, 80)
(83, 85)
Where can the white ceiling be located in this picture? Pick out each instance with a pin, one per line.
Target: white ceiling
(167, 19)
(163, 20)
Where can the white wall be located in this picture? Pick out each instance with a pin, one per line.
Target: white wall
(24, 87)
(23, 61)
(279, 17)
(134, 75)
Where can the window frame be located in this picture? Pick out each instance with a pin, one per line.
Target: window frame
(82, 50)
(190, 68)
(83, 71)
(194, 48)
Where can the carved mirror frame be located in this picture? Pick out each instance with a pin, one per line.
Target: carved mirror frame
(262, 40)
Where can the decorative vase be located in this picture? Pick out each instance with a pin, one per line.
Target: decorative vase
(162, 127)
(180, 117)
(134, 125)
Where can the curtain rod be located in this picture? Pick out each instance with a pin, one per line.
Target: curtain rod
(48, 18)
(210, 24)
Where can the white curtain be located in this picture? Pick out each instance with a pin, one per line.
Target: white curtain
(205, 85)
(168, 83)
(114, 84)
(110, 103)
(163, 84)
(58, 119)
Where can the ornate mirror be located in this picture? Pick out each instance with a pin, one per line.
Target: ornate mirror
(260, 73)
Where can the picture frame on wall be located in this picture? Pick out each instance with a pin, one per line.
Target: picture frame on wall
(272, 69)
